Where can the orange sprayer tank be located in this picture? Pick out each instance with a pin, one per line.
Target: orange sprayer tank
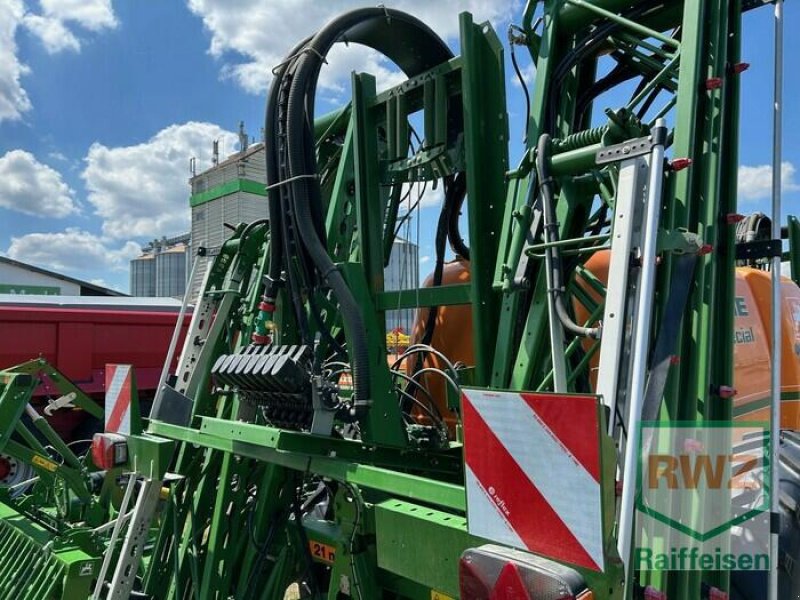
(452, 336)
(751, 352)
(752, 309)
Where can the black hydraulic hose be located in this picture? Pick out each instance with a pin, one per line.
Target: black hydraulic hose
(459, 193)
(273, 175)
(297, 263)
(440, 242)
(551, 228)
(415, 48)
(583, 48)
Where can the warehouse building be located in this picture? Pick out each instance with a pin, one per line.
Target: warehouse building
(20, 278)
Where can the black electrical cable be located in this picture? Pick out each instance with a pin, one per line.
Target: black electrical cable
(459, 194)
(523, 84)
(301, 530)
(583, 48)
(438, 269)
(454, 192)
(619, 74)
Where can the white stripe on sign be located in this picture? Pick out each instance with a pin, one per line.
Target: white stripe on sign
(121, 415)
(484, 518)
(564, 483)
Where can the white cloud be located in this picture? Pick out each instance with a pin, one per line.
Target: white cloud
(59, 156)
(424, 259)
(263, 32)
(755, 183)
(30, 187)
(14, 100)
(53, 33)
(51, 26)
(142, 190)
(93, 15)
(72, 250)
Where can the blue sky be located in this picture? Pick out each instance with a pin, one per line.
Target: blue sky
(103, 103)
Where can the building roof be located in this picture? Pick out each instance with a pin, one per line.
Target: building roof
(87, 288)
(233, 158)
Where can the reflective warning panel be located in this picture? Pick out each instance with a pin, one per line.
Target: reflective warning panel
(533, 473)
(119, 394)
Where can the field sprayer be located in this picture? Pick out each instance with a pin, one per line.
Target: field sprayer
(597, 290)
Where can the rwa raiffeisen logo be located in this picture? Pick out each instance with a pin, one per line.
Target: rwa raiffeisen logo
(703, 497)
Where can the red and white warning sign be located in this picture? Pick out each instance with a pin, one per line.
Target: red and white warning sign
(118, 398)
(533, 473)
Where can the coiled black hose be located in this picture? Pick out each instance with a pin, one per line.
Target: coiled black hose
(415, 48)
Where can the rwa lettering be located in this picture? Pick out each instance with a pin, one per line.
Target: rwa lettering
(689, 471)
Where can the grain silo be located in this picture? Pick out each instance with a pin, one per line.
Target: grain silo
(143, 275)
(230, 192)
(161, 269)
(171, 271)
(401, 273)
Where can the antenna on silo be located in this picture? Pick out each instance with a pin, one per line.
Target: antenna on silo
(242, 137)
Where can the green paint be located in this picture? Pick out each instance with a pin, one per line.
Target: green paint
(33, 290)
(227, 188)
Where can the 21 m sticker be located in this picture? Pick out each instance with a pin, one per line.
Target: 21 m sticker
(322, 552)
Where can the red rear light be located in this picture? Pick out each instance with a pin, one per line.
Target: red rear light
(709, 592)
(109, 450)
(510, 585)
(651, 593)
(473, 582)
(494, 572)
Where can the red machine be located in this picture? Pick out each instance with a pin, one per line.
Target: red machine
(80, 335)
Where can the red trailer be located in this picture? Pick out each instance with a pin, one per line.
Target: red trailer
(80, 335)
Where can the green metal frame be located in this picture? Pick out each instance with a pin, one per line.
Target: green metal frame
(398, 493)
(396, 522)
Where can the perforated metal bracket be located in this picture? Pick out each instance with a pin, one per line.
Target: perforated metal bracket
(625, 150)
